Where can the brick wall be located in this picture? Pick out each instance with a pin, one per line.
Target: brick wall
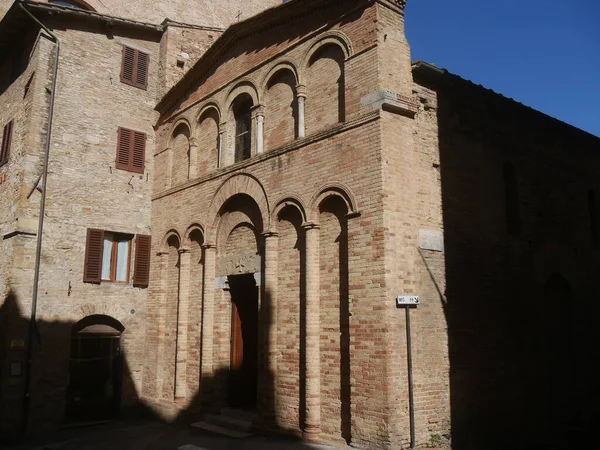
(505, 353)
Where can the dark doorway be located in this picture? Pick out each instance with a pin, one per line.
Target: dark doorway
(244, 341)
(95, 373)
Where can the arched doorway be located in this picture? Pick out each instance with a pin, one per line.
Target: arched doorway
(95, 369)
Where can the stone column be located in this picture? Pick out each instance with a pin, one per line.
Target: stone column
(259, 113)
(163, 258)
(193, 168)
(301, 97)
(269, 306)
(220, 161)
(312, 427)
(182, 324)
(169, 168)
(208, 305)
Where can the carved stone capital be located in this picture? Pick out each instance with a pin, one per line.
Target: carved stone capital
(301, 90)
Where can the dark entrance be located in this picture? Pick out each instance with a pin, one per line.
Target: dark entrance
(244, 341)
(95, 370)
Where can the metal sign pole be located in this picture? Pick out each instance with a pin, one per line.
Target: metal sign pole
(411, 400)
(409, 302)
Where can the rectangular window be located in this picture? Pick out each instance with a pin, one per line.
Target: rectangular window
(115, 257)
(134, 67)
(6, 141)
(108, 257)
(131, 150)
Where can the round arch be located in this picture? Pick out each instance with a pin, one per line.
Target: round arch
(245, 86)
(191, 229)
(288, 201)
(98, 324)
(332, 37)
(279, 66)
(211, 105)
(180, 124)
(241, 183)
(332, 189)
(164, 245)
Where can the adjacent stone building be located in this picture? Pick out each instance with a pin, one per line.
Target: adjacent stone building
(234, 203)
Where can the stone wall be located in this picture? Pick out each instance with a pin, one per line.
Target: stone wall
(25, 101)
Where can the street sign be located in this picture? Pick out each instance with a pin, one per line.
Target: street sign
(407, 300)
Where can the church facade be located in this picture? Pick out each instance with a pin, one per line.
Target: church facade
(264, 188)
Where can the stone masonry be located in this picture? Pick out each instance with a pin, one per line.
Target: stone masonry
(293, 150)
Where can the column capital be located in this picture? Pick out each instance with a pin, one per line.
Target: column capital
(222, 127)
(193, 142)
(301, 90)
(162, 253)
(311, 226)
(183, 250)
(258, 111)
(209, 246)
(270, 234)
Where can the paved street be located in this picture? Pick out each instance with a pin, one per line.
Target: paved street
(146, 435)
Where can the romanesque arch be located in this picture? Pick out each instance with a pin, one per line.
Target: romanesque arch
(207, 139)
(281, 108)
(179, 144)
(339, 190)
(237, 184)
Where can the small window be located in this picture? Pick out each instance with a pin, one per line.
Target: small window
(134, 67)
(108, 257)
(242, 112)
(131, 150)
(6, 141)
(511, 193)
(115, 257)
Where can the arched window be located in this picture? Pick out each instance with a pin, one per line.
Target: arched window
(72, 4)
(242, 113)
(511, 193)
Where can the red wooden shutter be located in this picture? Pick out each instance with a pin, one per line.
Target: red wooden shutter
(138, 152)
(141, 76)
(134, 67)
(124, 141)
(6, 140)
(141, 268)
(92, 268)
(128, 65)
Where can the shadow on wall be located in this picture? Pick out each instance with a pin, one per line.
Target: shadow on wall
(521, 303)
(79, 372)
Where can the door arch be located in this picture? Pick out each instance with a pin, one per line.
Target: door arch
(95, 369)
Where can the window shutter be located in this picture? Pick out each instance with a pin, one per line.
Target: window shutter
(134, 67)
(138, 152)
(131, 150)
(6, 140)
(141, 76)
(124, 142)
(92, 268)
(128, 65)
(141, 270)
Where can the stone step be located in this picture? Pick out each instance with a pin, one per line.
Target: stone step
(206, 426)
(238, 414)
(231, 422)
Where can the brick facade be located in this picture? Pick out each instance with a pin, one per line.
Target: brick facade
(367, 178)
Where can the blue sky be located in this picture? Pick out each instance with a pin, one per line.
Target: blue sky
(543, 53)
